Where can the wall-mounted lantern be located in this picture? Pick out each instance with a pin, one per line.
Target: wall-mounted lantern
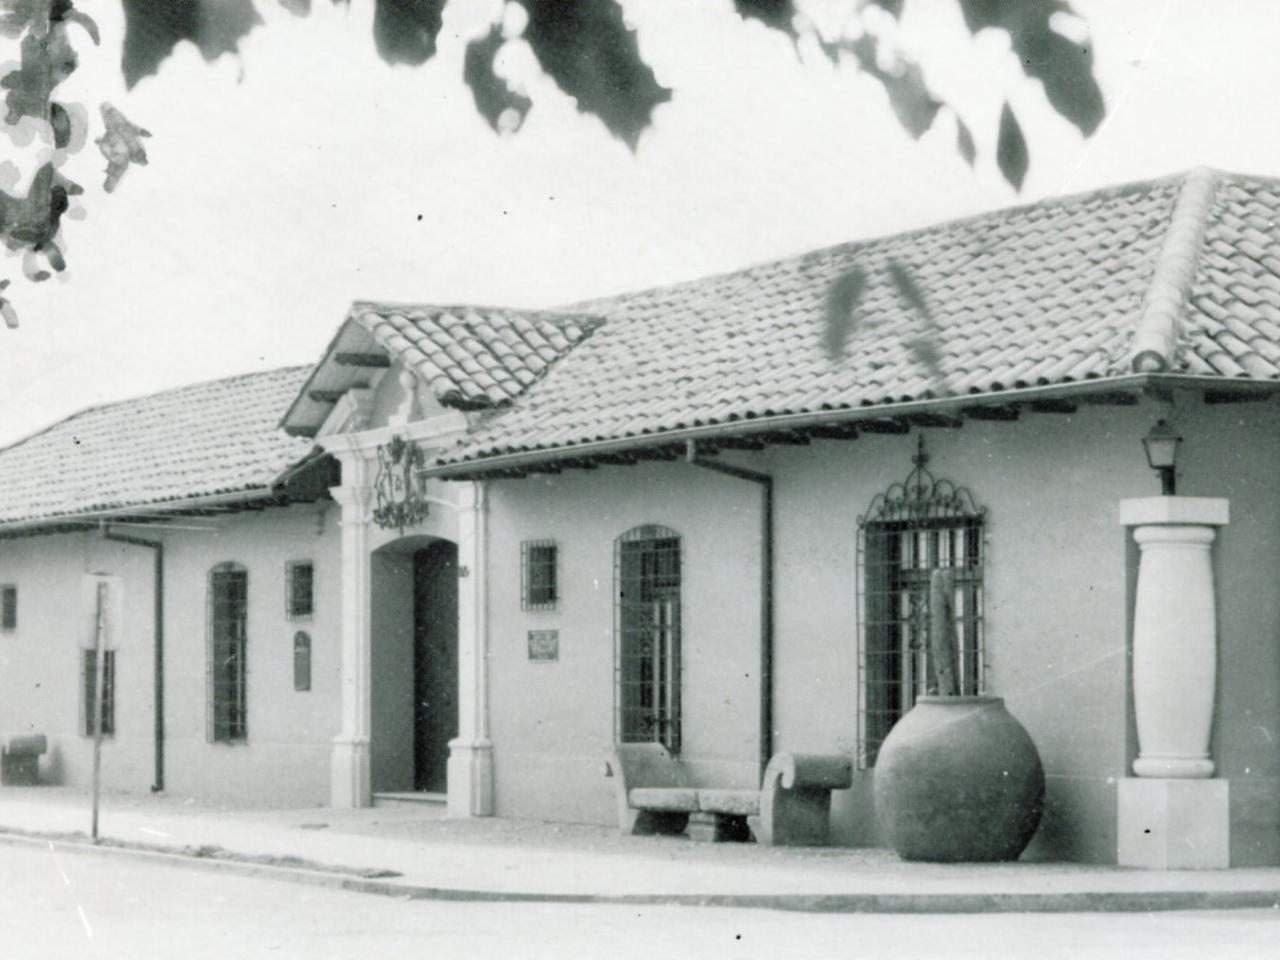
(1161, 444)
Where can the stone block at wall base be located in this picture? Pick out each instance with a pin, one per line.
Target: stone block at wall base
(1166, 824)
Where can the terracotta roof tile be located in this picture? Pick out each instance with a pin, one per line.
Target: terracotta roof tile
(1180, 275)
(202, 440)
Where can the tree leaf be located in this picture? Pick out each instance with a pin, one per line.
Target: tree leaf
(493, 97)
(60, 120)
(1011, 149)
(152, 30)
(843, 297)
(47, 60)
(32, 221)
(964, 142)
(891, 7)
(912, 102)
(775, 14)
(1063, 66)
(121, 144)
(19, 16)
(405, 31)
(7, 311)
(299, 8)
(925, 347)
(586, 48)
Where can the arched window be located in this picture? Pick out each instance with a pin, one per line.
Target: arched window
(228, 602)
(910, 530)
(647, 647)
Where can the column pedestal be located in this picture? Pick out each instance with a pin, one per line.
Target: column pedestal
(1170, 814)
(470, 778)
(1168, 824)
(349, 773)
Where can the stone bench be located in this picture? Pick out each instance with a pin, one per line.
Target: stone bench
(20, 759)
(653, 795)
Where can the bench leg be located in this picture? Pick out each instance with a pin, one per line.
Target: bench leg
(21, 770)
(649, 822)
(718, 828)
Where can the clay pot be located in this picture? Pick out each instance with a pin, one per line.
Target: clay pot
(958, 779)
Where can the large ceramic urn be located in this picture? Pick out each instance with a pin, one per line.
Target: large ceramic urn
(959, 779)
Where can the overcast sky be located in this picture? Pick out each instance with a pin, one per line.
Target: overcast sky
(304, 174)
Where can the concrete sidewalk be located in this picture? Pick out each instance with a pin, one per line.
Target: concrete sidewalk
(505, 859)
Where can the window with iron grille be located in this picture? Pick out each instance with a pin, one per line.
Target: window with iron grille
(89, 692)
(299, 579)
(647, 652)
(912, 529)
(538, 575)
(8, 607)
(228, 652)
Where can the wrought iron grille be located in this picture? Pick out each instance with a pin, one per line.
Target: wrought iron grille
(8, 607)
(88, 695)
(228, 653)
(538, 575)
(647, 651)
(910, 530)
(299, 581)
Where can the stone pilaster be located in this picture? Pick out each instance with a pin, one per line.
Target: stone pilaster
(471, 752)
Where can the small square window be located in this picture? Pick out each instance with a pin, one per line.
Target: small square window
(538, 575)
(299, 583)
(8, 607)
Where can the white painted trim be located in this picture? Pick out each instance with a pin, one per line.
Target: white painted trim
(1207, 511)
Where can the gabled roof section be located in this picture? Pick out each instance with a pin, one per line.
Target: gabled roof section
(1179, 276)
(471, 358)
(201, 441)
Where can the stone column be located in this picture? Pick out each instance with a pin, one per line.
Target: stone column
(471, 752)
(349, 769)
(1171, 814)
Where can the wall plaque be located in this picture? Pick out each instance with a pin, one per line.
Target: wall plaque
(544, 646)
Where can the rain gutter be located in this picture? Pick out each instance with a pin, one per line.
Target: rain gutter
(157, 510)
(766, 588)
(1132, 383)
(157, 547)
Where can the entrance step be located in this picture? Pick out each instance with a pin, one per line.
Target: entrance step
(412, 798)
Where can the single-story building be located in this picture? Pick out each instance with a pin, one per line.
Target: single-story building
(486, 544)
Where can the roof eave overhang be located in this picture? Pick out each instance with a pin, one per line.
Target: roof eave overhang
(159, 511)
(1134, 384)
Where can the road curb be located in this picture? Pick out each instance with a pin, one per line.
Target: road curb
(901, 903)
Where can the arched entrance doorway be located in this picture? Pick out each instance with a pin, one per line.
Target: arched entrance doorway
(414, 626)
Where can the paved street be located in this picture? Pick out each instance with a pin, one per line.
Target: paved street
(59, 904)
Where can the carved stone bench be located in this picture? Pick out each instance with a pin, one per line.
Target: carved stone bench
(20, 758)
(653, 795)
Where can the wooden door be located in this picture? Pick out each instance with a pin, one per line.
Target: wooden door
(435, 663)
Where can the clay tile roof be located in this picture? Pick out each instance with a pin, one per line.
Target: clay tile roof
(198, 441)
(474, 357)
(1180, 275)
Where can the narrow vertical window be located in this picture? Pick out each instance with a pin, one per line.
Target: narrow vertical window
(538, 575)
(302, 661)
(8, 607)
(228, 639)
(89, 692)
(912, 529)
(647, 594)
(299, 586)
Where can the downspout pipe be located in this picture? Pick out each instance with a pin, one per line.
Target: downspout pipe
(766, 587)
(158, 692)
